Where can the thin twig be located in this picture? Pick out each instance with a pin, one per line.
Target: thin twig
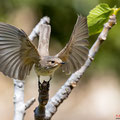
(29, 103)
(66, 89)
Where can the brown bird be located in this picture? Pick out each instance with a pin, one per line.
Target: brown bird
(18, 54)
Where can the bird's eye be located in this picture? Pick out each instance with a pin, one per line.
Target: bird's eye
(52, 61)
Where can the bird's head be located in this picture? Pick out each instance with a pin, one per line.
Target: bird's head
(51, 62)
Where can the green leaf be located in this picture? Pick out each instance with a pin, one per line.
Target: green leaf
(97, 17)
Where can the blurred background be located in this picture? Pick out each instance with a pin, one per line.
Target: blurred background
(97, 95)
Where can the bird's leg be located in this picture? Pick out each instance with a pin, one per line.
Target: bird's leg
(50, 78)
(39, 83)
(38, 78)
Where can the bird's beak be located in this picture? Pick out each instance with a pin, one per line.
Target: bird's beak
(62, 63)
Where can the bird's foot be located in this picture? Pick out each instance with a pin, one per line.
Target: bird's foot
(50, 78)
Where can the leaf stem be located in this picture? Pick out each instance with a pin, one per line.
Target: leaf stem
(115, 11)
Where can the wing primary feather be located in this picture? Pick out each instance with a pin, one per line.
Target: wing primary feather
(12, 68)
(7, 56)
(7, 36)
(16, 68)
(83, 49)
(4, 64)
(73, 63)
(9, 27)
(8, 31)
(8, 40)
(81, 54)
(82, 59)
(83, 42)
(5, 32)
(22, 72)
(17, 52)
(76, 50)
(76, 61)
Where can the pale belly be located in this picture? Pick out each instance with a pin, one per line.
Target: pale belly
(44, 72)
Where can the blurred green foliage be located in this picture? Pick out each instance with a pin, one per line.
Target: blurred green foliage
(63, 14)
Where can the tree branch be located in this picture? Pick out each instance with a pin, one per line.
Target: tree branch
(43, 89)
(19, 106)
(44, 38)
(66, 89)
(18, 100)
(36, 30)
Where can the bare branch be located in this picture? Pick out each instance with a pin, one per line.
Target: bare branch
(36, 30)
(66, 89)
(29, 103)
(44, 38)
(19, 107)
(43, 89)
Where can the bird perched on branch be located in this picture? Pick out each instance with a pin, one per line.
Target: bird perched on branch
(18, 54)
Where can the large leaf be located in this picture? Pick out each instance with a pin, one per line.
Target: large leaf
(97, 17)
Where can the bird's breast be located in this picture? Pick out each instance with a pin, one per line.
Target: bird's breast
(43, 71)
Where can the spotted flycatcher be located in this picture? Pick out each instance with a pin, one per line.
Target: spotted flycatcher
(18, 54)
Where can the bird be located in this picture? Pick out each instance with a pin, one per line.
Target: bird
(18, 54)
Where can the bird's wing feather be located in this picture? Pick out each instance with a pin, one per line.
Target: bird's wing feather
(17, 53)
(75, 53)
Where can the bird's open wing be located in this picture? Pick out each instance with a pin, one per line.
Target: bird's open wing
(75, 53)
(17, 53)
